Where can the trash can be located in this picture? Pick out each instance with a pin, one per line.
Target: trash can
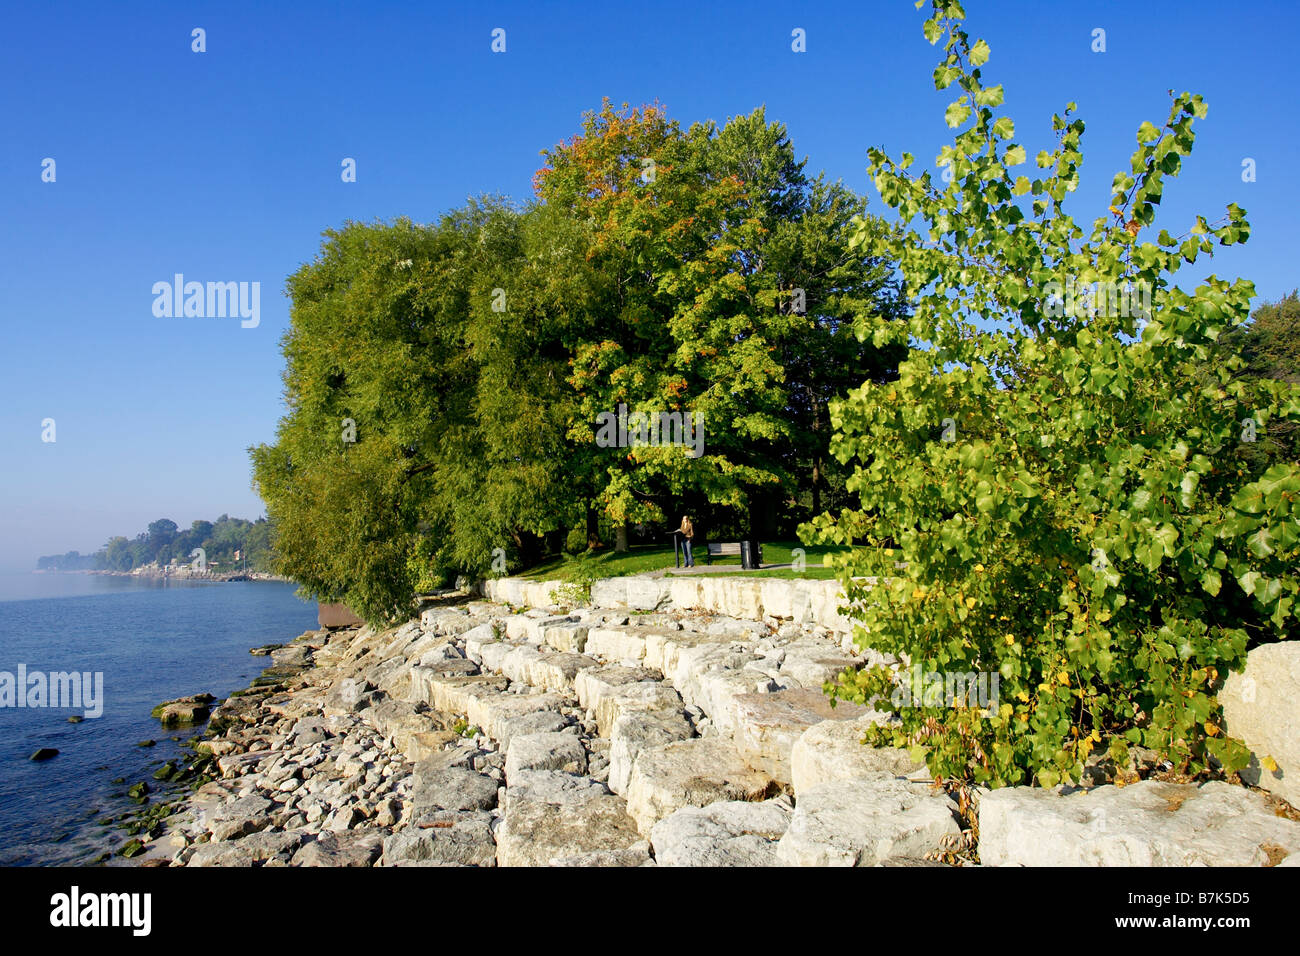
(751, 555)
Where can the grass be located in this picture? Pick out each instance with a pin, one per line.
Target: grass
(642, 558)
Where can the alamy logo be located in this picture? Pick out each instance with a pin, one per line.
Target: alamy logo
(655, 429)
(57, 690)
(947, 689)
(74, 908)
(1098, 299)
(212, 300)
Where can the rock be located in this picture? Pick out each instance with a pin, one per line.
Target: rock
(447, 838)
(552, 816)
(240, 817)
(44, 753)
(595, 684)
(355, 848)
(571, 638)
(184, 710)
(867, 821)
(728, 833)
(693, 772)
(454, 788)
(1261, 706)
(350, 696)
(833, 750)
(638, 730)
(294, 655)
(259, 849)
(502, 716)
(1144, 824)
(811, 663)
(638, 854)
(310, 730)
(646, 696)
(766, 726)
(548, 751)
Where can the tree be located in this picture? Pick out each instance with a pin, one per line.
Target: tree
(378, 388)
(1270, 348)
(712, 273)
(1057, 472)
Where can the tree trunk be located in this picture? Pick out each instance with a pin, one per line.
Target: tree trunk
(620, 537)
(817, 459)
(816, 486)
(593, 527)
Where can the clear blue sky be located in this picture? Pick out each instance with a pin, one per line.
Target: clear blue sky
(225, 166)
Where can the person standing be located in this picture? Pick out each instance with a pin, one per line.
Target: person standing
(688, 532)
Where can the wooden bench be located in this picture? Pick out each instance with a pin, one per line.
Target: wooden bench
(722, 549)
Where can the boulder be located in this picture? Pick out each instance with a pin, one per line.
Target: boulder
(693, 772)
(638, 854)
(454, 788)
(728, 833)
(833, 750)
(447, 839)
(1144, 824)
(766, 726)
(1261, 706)
(641, 729)
(184, 710)
(353, 848)
(552, 817)
(240, 817)
(259, 849)
(865, 822)
(547, 751)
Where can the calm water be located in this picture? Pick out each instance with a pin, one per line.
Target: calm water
(152, 642)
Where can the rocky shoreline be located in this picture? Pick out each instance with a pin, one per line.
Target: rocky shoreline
(482, 734)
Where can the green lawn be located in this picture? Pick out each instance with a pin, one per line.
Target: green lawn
(607, 564)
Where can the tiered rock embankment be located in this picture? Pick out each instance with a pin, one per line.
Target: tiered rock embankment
(650, 728)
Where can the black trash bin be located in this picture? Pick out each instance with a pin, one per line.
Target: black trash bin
(751, 555)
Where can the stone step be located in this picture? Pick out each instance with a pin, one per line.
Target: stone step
(1150, 823)
(866, 822)
(695, 772)
(555, 818)
(765, 727)
(727, 833)
(833, 750)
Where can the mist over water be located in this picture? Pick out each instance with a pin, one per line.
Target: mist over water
(152, 642)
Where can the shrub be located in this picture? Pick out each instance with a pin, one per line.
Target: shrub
(1060, 476)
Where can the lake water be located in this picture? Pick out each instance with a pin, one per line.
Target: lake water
(152, 642)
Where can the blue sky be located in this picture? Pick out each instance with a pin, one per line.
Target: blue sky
(224, 166)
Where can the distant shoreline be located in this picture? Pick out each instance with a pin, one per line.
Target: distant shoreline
(182, 574)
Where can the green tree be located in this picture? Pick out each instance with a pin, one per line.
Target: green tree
(379, 389)
(1058, 472)
(1270, 347)
(714, 278)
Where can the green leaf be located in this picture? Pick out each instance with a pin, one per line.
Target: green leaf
(957, 113)
(1004, 127)
(979, 53)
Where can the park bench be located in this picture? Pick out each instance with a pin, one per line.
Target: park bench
(721, 549)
